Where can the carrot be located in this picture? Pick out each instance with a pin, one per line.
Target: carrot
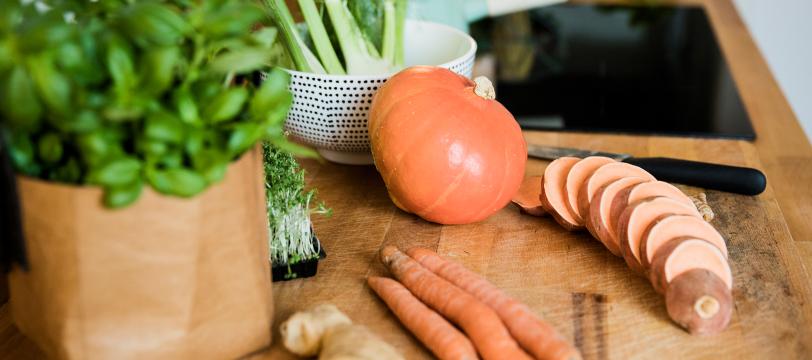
(478, 321)
(442, 338)
(532, 333)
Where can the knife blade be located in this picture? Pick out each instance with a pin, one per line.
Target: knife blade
(735, 179)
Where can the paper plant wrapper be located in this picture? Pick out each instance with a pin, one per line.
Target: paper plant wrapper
(165, 278)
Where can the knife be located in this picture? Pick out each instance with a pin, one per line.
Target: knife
(740, 180)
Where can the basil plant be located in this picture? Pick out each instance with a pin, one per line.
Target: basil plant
(128, 94)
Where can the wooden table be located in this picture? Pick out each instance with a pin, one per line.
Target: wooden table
(570, 279)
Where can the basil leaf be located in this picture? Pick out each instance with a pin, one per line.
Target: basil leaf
(240, 61)
(271, 93)
(226, 105)
(20, 103)
(120, 196)
(119, 61)
(53, 86)
(177, 181)
(50, 148)
(243, 137)
(118, 172)
(164, 127)
(158, 67)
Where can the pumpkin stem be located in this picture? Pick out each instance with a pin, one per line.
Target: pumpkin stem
(484, 88)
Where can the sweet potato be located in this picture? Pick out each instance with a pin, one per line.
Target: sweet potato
(598, 222)
(669, 226)
(699, 301)
(637, 217)
(553, 197)
(641, 191)
(528, 198)
(579, 173)
(605, 174)
(683, 254)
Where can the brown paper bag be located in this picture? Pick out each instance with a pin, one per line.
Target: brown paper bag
(165, 278)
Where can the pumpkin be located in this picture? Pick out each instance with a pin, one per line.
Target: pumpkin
(446, 149)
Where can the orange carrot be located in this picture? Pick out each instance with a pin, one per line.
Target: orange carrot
(442, 338)
(536, 336)
(480, 323)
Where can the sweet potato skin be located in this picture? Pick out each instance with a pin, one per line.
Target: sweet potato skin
(699, 302)
(563, 164)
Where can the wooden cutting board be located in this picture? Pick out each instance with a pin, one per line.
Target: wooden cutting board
(568, 278)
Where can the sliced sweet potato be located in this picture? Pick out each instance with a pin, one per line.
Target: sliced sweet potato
(528, 198)
(641, 191)
(637, 217)
(668, 227)
(598, 222)
(683, 254)
(699, 301)
(579, 173)
(605, 174)
(553, 196)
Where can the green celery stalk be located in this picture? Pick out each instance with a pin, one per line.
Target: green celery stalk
(360, 55)
(320, 39)
(389, 31)
(400, 25)
(303, 58)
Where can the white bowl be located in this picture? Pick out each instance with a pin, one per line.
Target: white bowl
(329, 112)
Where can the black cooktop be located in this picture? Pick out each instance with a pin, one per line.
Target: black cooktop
(622, 69)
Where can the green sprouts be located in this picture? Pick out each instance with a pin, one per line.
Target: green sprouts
(291, 237)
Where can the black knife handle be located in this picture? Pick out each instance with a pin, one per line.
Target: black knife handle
(740, 180)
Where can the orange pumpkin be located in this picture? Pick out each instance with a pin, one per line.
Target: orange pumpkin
(445, 148)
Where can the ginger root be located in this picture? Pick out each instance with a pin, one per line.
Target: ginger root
(326, 331)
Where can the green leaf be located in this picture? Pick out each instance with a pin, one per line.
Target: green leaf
(177, 181)
(54, 87)
(70, 172)
(158, 68)
(117, 197)
(234, 18)
(70, 57)
(186, 106)
(164, 126)
(118, 172)
(21, 151)
(211, 163)
(119, 60)
(151, 23)
(20, 103)
(243, 137)
(50, 148)
(226, 105)
(293, 148)
(240, 61)
(271, 93)
(82, 122)
(44, 31)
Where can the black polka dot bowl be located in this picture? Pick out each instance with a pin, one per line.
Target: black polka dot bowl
(329, 112)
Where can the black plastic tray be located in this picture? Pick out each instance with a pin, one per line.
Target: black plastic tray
(302, 269)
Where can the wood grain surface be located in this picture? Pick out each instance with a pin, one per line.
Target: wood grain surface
(569, 278)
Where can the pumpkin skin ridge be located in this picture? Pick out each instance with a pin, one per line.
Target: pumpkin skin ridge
(496, 205)
(461, 166)
(409, 169)
(444, 196)
(416, 138)
(419, 76)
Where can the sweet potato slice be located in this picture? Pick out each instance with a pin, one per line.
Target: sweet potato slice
(598, 220)
(699, 301)
(553, 196)
(683, 254)
(579, 173)
(637, 217)
(605, 174)
(641, 191)
(668, 227)
(528, 198)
